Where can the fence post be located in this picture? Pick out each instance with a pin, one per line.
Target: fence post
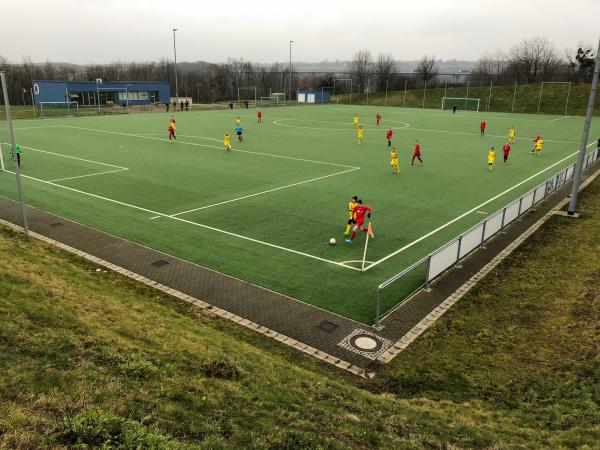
(483, 234)
(458, 252)
(520, 204)
(427, 288)
(377, 306)
(503, 215)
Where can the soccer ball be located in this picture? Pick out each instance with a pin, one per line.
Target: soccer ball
(332, 241)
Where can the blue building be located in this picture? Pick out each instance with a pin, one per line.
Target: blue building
(313, 96)
(93, 93)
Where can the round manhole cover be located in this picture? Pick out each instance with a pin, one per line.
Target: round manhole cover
(366, 343)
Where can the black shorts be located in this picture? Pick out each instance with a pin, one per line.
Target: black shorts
(239, 133)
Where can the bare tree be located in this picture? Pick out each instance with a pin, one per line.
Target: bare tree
(583, 63)
(426, 69)
(360, 69)
(533, 59)
(384, 67)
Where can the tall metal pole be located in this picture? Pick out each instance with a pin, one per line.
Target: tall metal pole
(540, 100)
(424, 91)
(404, 101)
(386, 88)
(368, 91)
(512, 108)
(175, 55)
(11, 138)
(584, 138)
(290, 83)
(445, 88)
(567, 104)
(490, 96)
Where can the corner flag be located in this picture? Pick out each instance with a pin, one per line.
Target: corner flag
(370, 231)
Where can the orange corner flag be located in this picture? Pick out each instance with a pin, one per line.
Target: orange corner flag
(370, 231)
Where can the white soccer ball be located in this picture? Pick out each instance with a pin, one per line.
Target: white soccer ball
(332, 241)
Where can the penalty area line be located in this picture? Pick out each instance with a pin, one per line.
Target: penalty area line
(189, 222)
(476, 208)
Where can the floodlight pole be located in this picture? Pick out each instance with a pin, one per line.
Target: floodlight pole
(11, 138)
(567, 104)
(386, 89)
(424, 91)
(512, 108)
(290, 80)
(175, 55)
(584, 138)
(490, 96)
(404, 101)
(540, 99)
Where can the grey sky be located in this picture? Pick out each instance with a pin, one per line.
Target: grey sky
(85, 31)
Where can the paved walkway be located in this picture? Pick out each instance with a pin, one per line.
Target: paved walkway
(346, 343)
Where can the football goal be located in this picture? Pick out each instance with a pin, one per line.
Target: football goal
(57, 109)
(464, 103)
(268, 101)
(556, 92)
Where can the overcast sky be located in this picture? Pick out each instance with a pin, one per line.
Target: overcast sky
(86, 31)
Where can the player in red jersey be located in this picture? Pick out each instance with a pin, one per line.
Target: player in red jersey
(482, 127)
(378, 119)
(505, 152)
(389, 136)
(259, 116)
(360, 211)
(416, 153)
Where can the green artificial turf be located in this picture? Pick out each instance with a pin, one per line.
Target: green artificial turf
(308, 160)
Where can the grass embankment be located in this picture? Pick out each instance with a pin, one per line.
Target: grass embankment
(526, 99)
(88, 357)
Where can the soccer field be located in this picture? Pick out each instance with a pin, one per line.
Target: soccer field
(265, 211)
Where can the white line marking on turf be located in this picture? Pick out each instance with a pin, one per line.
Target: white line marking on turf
(70, 157)
(89, 175)
(179, 219)
(466, 133)
(211, 146)
(441, 227)
(263, 192)
(481, 212)
(155, 217)
(559, 118)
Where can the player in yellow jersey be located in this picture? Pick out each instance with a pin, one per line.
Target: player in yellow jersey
(227, 142)
(491, 158)
(355, 121)
(238, 120)
(394, 161)
(359, 134)
(538, 146)
(511, 135)
(351, 204)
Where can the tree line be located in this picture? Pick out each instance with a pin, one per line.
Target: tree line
(529, 61)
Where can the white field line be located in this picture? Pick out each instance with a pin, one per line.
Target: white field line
(349, 128)
(179, 219)
(141, 136)
(466, 133)
(559, 118)
(262, 193)
(88, 175)
(441, 227)
(155, 217)
(481, 212)
(71, 157)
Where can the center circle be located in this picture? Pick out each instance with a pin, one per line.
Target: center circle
(365, 343)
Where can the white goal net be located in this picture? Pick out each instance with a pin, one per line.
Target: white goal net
(462, 103)
(57, 109)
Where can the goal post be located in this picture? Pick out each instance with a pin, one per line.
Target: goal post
(465, 103)
(57, 109)
(268, 101)
(566, 84)
(246, 93)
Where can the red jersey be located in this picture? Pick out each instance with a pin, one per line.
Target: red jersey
(259, 114)
(389, 134)
(506, 149)
(377, 118)
(359, 213)
(483, 124)
(417, 150)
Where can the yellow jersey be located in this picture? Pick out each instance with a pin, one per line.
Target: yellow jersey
(238, 121)
(512, 133)
(172, 125)
(394, 154)
(491, 156)
(351, 206)
(355, 120)
(539, 144)
(227, 140)
(359, 133)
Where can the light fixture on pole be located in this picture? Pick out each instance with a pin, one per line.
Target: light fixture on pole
(175, 55)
